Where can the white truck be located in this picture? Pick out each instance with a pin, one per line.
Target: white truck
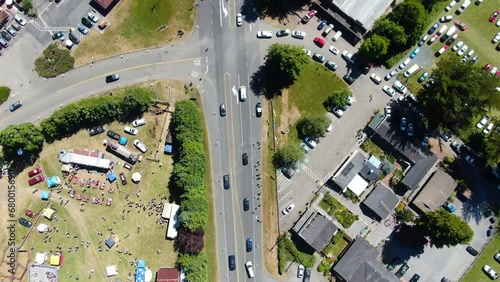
(463, 7)
(450, 32)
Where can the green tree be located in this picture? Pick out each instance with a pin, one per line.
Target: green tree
(492, 150)
(4, 94)
(374, 47)
(313, 126)
(288, 155)
(405, 215)
(395, 33)
(54, 61)
(195, 266)
(23, 136)
(339, 98)
(413, 17)
(285, 62)
(460, 92)
(27, 4)
(444, 228)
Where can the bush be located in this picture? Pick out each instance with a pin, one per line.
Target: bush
(448, 160)
(287, 251)
(54, 61)
(195, 266)
(351, 196)
(4, 94)
(397, 176)
(337, 210)
(325, 266)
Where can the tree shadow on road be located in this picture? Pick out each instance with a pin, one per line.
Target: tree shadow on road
(268, 82)
(280, 9)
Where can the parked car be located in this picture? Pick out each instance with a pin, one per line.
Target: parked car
(449, 207)
(457, 46)
(334, 50)
(470, 160)
(288, 172)
(399, 87)
(57, 35)
(395, 262)
(494, 16)
(471, 251)
(402, 270)
(258, 110)
(392, 73)
(24, 222)
(11, 31)
(348, 56)
(433, 28)
(422, 41)
(300, 271)
(497, 257)
(375, 78)
(92, 17)
(34, 172)
(35, 180)
(309, 15)
(75, 40)
(96, 130)
(307, 52)
(489, 232)
(414, 278)
(319, 58)
(319, 41)
(310, 142)
(338, 112)
(496, 38)
(307, 275)
(348, 79)
(474, 60)
(130, 130)
(489, 271)
(14, 106)
(482, 122)
(445, 19)
(141, 146)
(123, 179)
(288, 209)
(139, 122)
(20, 20)
(488, 128)
(462, 50)
(82, 29)
(322, 25)
(264, 34)
(29, 213)
(328, 29)
(127, 166)
(87, 23)
(6, 35)
(414, 53)
(298, 34)
(410, 129)
(246, 204)
(331, 65)
(455, 146)
(282, 32)
(403, 124)
(113, 135)
(425, 140)
(452, 39)
(423, 77)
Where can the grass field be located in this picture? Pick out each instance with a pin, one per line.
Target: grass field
(124, 219)
(134, 25)
(476, 273)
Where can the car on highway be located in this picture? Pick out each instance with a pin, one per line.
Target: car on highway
(282, 32)
(375, 78)
(225, 181)
(309, 15)
(34, 172)
(96, 130)
(490, 272)
(92, 17)
(14, 106)
(433, 28)
(83, 30)
(112, 78)
(244, 158)
(322, 24)
(494, 16)
(482, 122)
(334, 50)
(388, 112)
(57, 35)
(488, 128)
(20, 20)
(452, 39)
(222, 110)
(319, 58)
(425, 140)
(141, 146)
(338, 112)
(249, 244)
(139, 122)
(300, 271)
(35, 180)
(130, 130)
(239, 19)
(348, 79)
(264, 34)
(232, 262)
(410, 130)
(403, 124)
(24, 222)
(496, 38)
(320, 42)
(399, 87)
(298, 34)
(402, 270)
(414, 53)
(87, 23)
(258, 109)
(461, 25)
(246, 204)
(29, 213)
(462, 50)
(249, 268)
(288, 209)
(423, 77)
(331, 65)
(422, 41)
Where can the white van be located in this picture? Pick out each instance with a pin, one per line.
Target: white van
(411, 70)
(404, 64)
(337, 35)
(443, 29)
(249, 266)
(243, 93)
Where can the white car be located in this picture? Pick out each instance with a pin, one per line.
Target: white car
(498, 23)
(288, 209)
(389, 91)
(391, 74)
(300, 271)
(329, 128)
(350, 100)
(493, 71)
(488, 128)
(139, 122)
(462, 50)
(20, 20)
(347, 55)
(239, 19)
(376, 78)
(307, 52)
(334, 50)
(481, 123)
(490, 272)
(446, 19)
(143, 148)
(310, 142)
(328, 29)
(338, 112)
(92, 17)
(264, 34)
(457, 46)
(130, 130)
(399, 87)
(405, 63)
(388, 112)
(496, 38)
(298, 34)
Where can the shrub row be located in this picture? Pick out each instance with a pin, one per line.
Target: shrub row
(287, 251)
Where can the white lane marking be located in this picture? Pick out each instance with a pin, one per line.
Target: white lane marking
(220, 12)
(282, 198)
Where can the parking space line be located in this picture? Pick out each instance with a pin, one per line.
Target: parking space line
(285, 196)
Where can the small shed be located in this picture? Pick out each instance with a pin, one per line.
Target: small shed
(111, 177)
(53, 181)
(111, 270)
(40, 258)
(136, 177)
(45, 195)
(49, 213)
(110, 242)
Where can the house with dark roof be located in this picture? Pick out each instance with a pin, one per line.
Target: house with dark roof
(420, 160)
(359, 264)
(167, 275)
(104, 6)
(381, 201)
(434, 193)
(4, 17)
(315, 229)
(356, 173)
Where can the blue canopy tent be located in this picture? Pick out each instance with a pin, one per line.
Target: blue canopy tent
(111, 177)
(123, 140)
(140, 271)
(53, 181)
(141, 263)
(110, 242)
(45, 195)
(168, 149)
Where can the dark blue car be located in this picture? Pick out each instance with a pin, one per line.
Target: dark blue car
(246, 204)
(322, 25)
(249, 244)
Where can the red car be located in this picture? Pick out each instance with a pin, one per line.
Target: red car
(35, 180)
(319, 41)
(494, 16)
(487, 67)
(34, 172)
(29, 213)
(460, 25)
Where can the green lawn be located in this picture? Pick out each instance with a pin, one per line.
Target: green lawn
(337, 245)
(476, 274)
(337, 210)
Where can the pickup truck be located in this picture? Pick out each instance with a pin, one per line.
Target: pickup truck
(113, 135)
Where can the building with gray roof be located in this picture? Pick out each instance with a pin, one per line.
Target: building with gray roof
(381, 201)
(434, 192)
(315, 229)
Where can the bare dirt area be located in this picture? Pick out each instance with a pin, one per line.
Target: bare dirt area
(289, 114)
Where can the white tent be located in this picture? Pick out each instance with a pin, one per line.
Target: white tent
(111, 270)
(40, 258)
(42, 227)
(136, 177)
(357, 185)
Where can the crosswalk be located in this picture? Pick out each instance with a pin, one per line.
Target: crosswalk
(283, 181)
(48, 28)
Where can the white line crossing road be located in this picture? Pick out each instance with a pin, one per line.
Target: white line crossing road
(312, 174)
(41, 28)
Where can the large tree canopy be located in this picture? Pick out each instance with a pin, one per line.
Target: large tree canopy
(444, 228)
(391, 30)
(374, 47)
(23, 136)
(460, 92)
(412, 16)
(313, 126)
(337, 99)
(288, 155)
(285, 62)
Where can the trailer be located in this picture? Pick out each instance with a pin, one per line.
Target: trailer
(173, 222)
(121, 151)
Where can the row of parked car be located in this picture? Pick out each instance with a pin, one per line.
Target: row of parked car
(83, 27)
(11, 31)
